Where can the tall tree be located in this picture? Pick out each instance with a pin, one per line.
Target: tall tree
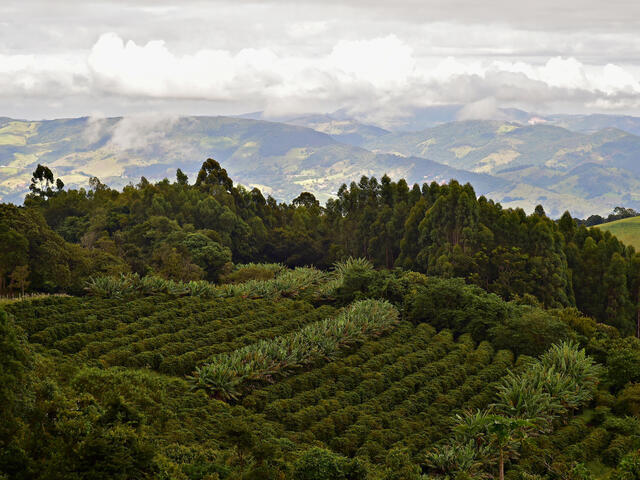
(19, 278)
(618, 307)
(43, 181)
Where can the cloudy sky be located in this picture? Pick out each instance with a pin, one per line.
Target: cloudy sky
(376, 59)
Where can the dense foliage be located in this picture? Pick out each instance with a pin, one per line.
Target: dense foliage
(326, 399)
(436, 335)
(185, 232)
(528, 404)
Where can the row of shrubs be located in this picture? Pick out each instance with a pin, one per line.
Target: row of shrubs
(270, 280)
(286, 283)
(226, 376)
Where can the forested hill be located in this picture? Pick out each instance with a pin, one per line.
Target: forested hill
(189, 231)
(205, 332)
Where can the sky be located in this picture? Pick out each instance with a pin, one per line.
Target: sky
(376, 60)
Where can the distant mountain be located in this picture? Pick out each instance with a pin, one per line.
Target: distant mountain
(546, 164)
(516, 163)
(280, 159)
(341, 123)
(346, 131)
(428, 117)
(595, 122)
(483, 145)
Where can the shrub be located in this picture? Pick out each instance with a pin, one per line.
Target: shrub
(321, 464)
(623, 361)
(530, 331)
(252, 271)
(452, 304)
(618, 447)
(628, 468)
(16, 361)
(628, 401)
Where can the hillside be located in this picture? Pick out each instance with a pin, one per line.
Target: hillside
(627, 230)
(344, 130)
(153, 384)
(278, 158)
(544, 164)
(595, 122)
(518, 165)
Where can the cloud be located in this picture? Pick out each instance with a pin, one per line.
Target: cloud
(152, 70)
(377, 78)
(382, 70)
(94, 130)
(487, 108)
(125, 68)
(137, 132)
(383, 62)
(306, 29)
(38, 75)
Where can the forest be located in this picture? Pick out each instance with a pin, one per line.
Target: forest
(200, 331)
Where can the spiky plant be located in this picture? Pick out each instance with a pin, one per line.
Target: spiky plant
(568, 358)
(222, 383)
(351, 264)
(266, 359)
(113, 287)
(458, 461)
(520, 396)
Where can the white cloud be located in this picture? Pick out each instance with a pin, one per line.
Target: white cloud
(42, 74)
(384, 62)
(152, 70)
(378, 78)
(615, 78)
(300, 30)
(382, 69)
(95, 129)
(140, 131)
(564, 73)
(487, 108)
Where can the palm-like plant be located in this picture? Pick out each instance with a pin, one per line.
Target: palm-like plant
(264, 360)
(454, 461)
(519, 397)
(505, 436)
(562, 380)
(497, 436)
(472, 426)
(307, 281)
(222, 383)
(569, 359)
(350, 264)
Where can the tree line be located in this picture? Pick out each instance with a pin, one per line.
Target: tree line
(182, 231)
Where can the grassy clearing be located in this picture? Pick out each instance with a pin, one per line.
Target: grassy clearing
(626, 230)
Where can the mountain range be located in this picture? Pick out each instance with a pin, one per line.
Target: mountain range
(586, 164)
